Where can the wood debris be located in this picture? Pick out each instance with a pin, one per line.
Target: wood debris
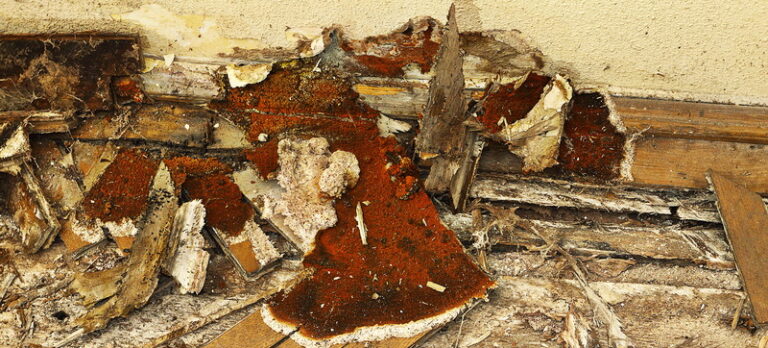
(361, 224)
(745, 219)
(188, 265)
(143, 265)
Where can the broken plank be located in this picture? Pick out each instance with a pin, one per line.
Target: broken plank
(684, 162)
(144, 263)
(746, 222)
(681, 119)
(699, 245)
(442, 130)
(42, 122)
(170, 124)
(252, 329)
(181, 81)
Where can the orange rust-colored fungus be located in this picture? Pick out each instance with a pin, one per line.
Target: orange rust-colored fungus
(208, 179)
(387, 55)
(293, 88)
(407, 244)
(123, 189)
(514, 104)
(591, 144)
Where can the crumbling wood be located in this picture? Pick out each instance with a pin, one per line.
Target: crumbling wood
(42, 122)
(680, 119)
(189, 263)
(92, 160)
(692, 205)
(59, 178)
(32, 212)
(14, 147)
(746, 224)
(684, 162)
(143, 264)
(529, 312)
(63, 72)
(464, 177)
(182, 81)
(702, 245)
(169, 124)
(442, 134)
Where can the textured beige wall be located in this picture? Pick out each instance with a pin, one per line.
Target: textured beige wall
(702, 49)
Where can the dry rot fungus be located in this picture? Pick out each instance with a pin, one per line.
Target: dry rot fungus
(380, 289)
(415, 43)
(294, 88)
(591, 144)
(117, 200)
(312, 177)
(227, 212)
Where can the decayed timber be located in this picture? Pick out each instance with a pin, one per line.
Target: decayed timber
(679, 119)
(684, 204)
(530, 312)
(147, 255)
(684, 162)
(181, 81)
(42, 122)
(14, 147)
(171, 124)
(443, 135)
(700, 245)
(746, 222)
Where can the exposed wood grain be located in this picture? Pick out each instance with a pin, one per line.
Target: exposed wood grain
(42, 122)
(684, 162)
(442, 131)
(529, 312)
(679, 119)
(695, 244)
(252, 330)
(746, 222)
(170, 124)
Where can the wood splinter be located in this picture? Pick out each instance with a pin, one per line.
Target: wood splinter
(361, 224)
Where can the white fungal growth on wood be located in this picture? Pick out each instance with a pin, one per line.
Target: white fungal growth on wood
(311, 177)
(190, 263)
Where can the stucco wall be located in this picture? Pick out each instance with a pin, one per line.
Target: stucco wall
(702, 49)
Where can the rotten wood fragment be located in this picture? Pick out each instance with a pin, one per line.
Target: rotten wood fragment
(464, 177)
(42, 122)
(536, 138)
(189, 263)
(231, 221)
(182, 82)
(170, 124)
(32, 213)
(746, 222)
(14, 147)
(63, 72)
(442, 131)
(147, 254)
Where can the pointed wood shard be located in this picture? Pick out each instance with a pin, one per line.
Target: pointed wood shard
(442, 132)
(443, 135)
(745, 219)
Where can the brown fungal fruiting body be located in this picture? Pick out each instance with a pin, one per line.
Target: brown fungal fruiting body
(407, 245)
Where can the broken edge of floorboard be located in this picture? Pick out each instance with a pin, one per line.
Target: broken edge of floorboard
(253, 329)
(745, 219)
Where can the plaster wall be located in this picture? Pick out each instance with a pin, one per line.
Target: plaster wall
(706, 50)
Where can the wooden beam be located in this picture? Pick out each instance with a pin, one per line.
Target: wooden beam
(680, 119)
(684, 162)
(746, 222)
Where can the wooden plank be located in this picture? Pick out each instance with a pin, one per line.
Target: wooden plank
(695, 244)
(684, 162)
(252, 330)
(680, 119)
(170, 124)
(746, 222)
